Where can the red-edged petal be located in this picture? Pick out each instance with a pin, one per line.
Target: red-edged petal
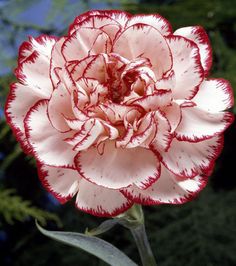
(78, 67)
(100, 201)
(162, 139)
(19, 101)
(198, 35)
(34, 72)
(85, 42)
(187, 67)
(47, 143)
(120, 17)
(59, 107)
(154, 20)
(97, 68)
(93, 21)
(112, 30)
(141, 40)
(167, 189)
(173, 115)
(88, 134)
(117, 167)
(214, 95)
(43, 44)
(145, 133)
(57, 61)
(190, 159)
(197, 124)
(158, 99)
(61, 182)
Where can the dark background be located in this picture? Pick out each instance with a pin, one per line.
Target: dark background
(199, 233)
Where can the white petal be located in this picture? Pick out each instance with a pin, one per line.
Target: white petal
(190, 159)
(154, 20)
(197, 124)
(167, 189)
(198, 35)
(47, 143)
(214, 95)
(85, 42)
(118, 167)
(100, 201)
(141, 40)
(187, 67)
(61, 182)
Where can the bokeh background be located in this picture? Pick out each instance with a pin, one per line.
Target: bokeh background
(199, 233)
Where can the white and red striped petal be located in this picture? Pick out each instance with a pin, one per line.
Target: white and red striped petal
(197, 124)
(19, 101)
(190, 159)
(198, 35)
(85, 42)
(173, 115)
(144, 134)
(87, 136)
(117, 167)
(97, 68)
(120, 17)
(141, 40)
(48, 144)
(61, 182)
(101, 201)
(112, 30)
(57, 61)
(59, 107)
(152, 102)
(163, 137)
(43, 44)
(34, 72)
(167, 189)
(214, 95)
(94, 21)
(187, 67)
(154, 20)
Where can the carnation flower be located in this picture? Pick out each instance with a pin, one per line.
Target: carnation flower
(120, 111)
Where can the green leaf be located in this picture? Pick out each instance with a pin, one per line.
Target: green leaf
(102, 228)
(93, 245)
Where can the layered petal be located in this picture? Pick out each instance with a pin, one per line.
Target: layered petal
(167, 189)
(141, 40)
(101, 201)
(34, 72)
(154, 20)
(214, 95)
(48, 144)
(187, 67)
(190, 159)
(85, 42)
(117, 167)
(61, 182)
(59, 108)
(15, 111)
(43, 44)
(198, 124)
(118, 16)
(57, 61)
(198, 35)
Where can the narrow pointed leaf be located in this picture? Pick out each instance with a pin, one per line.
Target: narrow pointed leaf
(102, 228)
(93, 245)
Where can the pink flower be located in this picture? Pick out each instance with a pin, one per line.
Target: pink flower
(120, 111)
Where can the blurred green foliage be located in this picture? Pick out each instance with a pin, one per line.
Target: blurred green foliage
(14, 208)
(200, 233)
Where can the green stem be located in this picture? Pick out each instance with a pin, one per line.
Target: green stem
(145, 252)
(134, 220)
